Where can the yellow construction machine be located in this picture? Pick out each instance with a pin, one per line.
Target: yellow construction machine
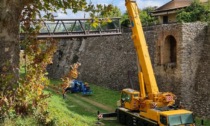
(147, 107)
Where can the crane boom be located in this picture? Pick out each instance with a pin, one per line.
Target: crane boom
(141, 48)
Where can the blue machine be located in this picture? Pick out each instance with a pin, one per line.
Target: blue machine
(79, 86)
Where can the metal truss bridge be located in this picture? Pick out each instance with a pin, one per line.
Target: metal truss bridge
(76, 28)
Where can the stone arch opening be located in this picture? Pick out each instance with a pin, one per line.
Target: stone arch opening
(169, 51)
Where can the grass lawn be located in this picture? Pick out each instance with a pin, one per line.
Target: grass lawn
(85, 107)
(101, 95)
(70, 111)
(199, 122)
(78, 110)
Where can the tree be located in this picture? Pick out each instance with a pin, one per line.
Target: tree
(22, 95)
(197, 11)
(146, 18)
(114, 12)
(9, 44)
(125, 22)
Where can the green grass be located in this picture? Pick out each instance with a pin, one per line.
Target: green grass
(55, 81)
(20, 121)
(69, 111)
(205, 121)
(100, 94)
(76, 104)
(78, 110)
(105, 96)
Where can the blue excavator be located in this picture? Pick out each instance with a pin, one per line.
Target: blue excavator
(77, 86)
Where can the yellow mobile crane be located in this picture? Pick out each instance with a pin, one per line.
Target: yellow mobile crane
(149, 107)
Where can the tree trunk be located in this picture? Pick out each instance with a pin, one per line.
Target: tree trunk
(10, 11)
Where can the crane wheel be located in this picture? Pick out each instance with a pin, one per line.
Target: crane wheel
(121, 117)
(129, 121)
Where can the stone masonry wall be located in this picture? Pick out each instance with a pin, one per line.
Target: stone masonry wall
(194, 37)
(110, 61)
(67, 54)
(201, 97)
(168, 77)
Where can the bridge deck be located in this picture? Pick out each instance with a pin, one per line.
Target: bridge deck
(76, 28)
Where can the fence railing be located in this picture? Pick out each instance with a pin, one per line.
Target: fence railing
(76, 28)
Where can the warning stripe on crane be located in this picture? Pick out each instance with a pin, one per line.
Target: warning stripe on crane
(169, 98)
(100, 116)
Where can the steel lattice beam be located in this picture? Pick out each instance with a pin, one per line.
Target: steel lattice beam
(76, 28)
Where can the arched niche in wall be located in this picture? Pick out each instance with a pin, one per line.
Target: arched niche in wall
(169, 51)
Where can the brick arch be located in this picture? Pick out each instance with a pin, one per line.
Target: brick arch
(169, 50)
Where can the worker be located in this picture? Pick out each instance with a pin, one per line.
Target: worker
(87, 86)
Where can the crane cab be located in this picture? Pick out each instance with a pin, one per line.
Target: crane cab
(130, 99)
(176, 118)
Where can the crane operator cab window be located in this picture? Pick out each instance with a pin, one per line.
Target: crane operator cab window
(125, 97)
(177, 120)
(163, 119)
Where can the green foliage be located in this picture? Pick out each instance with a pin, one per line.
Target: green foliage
(125, 22)
(33, 8)
(145, 17)
(197, 11)
(29, 96)
(114, 12)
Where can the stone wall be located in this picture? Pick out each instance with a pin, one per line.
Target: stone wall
(105, 61)
(201, 97)
(194, 37)
(111, 61)
(67, 54)
(189, 78)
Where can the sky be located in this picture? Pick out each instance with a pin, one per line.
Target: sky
(119, 3)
